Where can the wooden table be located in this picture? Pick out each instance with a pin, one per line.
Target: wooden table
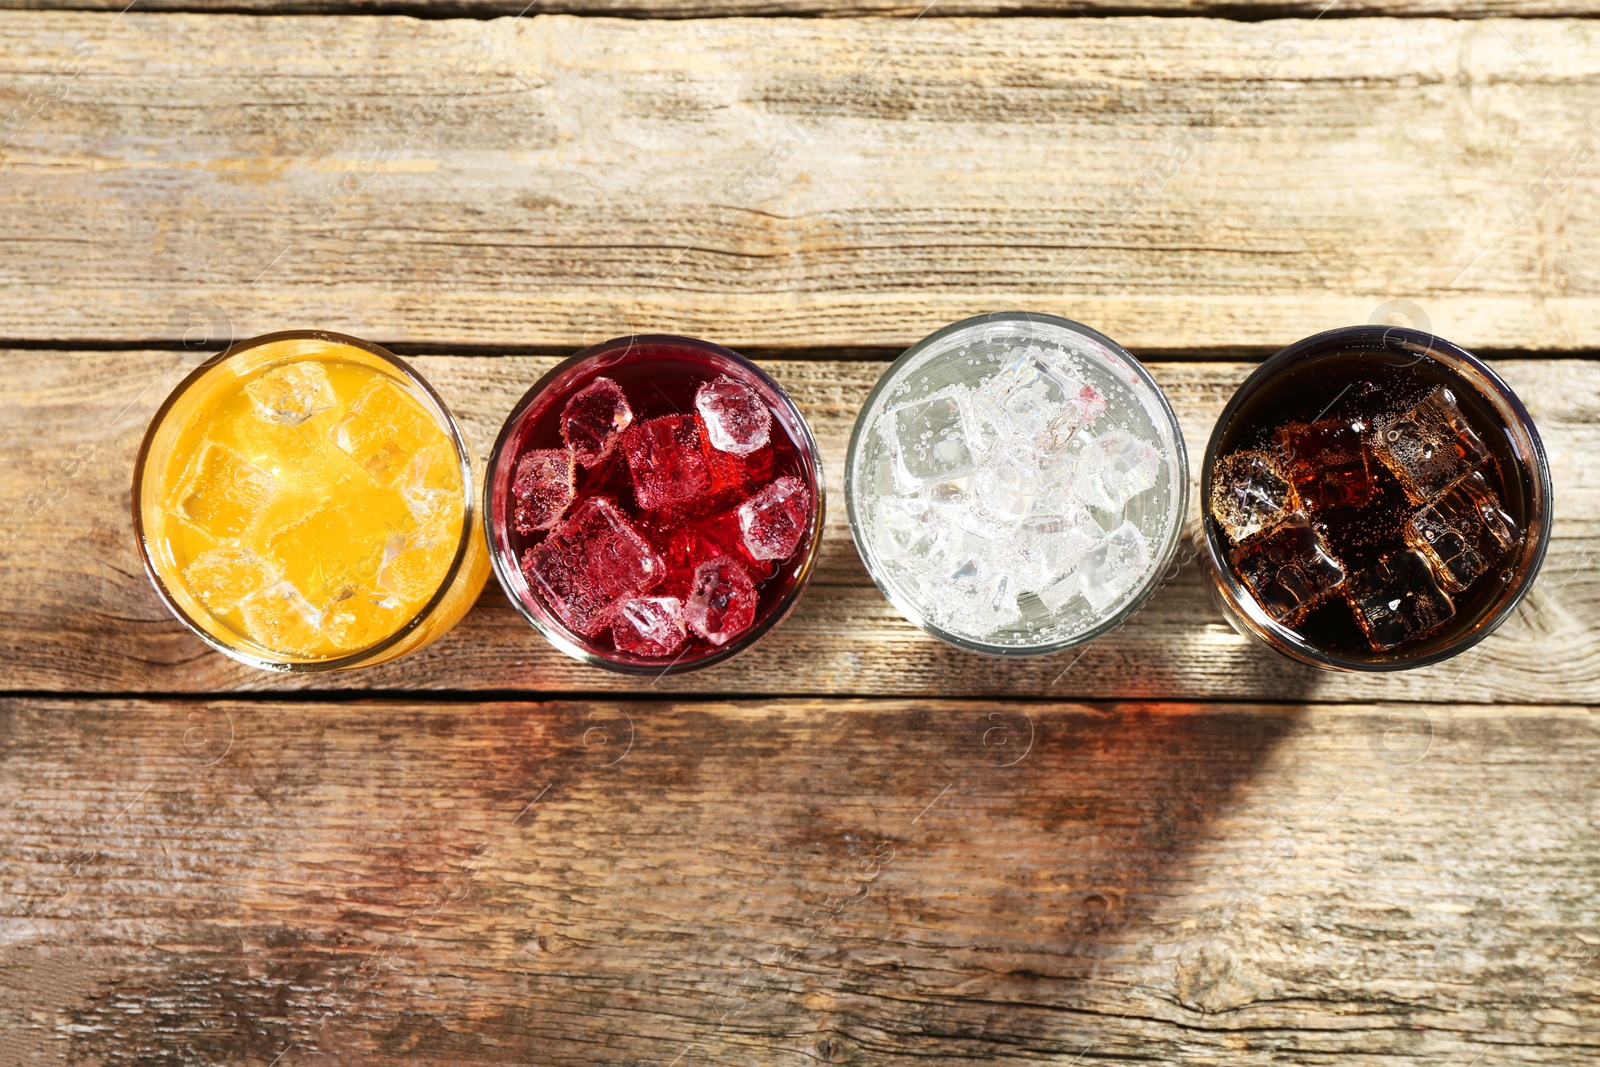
(853, 845)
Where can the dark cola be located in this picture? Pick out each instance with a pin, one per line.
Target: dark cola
(1370, 502)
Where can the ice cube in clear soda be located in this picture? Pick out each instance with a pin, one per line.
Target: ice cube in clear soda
(932, 437)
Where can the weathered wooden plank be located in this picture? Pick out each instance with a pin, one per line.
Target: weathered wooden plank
(77, 614)
(857, 882)
(1184, 184)
(673, 9)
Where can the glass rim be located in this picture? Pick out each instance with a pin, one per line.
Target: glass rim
(1160, 560)
(468, 495)
(1499, 395)
(552, 630)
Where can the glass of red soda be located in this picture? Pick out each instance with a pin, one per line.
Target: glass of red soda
(653, 505)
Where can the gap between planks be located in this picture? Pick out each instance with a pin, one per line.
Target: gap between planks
(675, 11)
(352, 699)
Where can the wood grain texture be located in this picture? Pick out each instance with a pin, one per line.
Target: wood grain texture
(1183, 184)
(684, 9)
(77, 613)
(797, 882)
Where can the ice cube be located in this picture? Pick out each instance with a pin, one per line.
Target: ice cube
(279, 619)
(986, 423)
(1047, 548)
(431, 487)
(732, 474)
(1006, 487)
(974, 600)
(543, 486)
(222, 577)
(1113, 567)
(1399, 599)
(1429, 446)
(665, 460)
(593, 421)
(360, 619)
(591, 563)
(413, 569)
(722, 601)
(1059, 593)
(650, 626)
(911, 529)
(932, 437)
(291, 394)
(776, 518)
(1463, 533)
(384, 428)
(735, 418)
(1250, 494)
(223, 493)
(1041, 397)
(1327, 461)
(1114, 469)
(340, 545)
(1289, 569)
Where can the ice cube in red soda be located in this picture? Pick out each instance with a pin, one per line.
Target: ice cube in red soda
(593, 420)
(543, 487)
(687, 541)
(649, 626)
(772, 521)
(734, 476)
(735, 418)
(591, 563)
(722, 600)
(666, 461)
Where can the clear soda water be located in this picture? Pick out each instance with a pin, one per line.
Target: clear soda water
(1016, 483)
